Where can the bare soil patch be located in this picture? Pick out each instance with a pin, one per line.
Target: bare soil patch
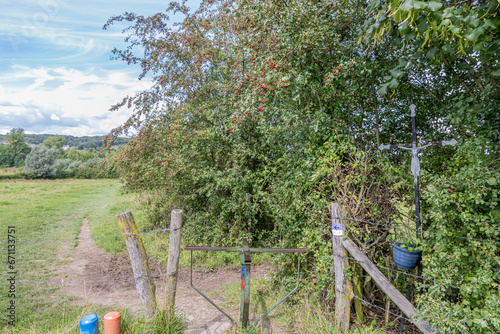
(89, 263)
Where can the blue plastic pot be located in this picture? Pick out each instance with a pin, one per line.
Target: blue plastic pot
(89, 324)
(404, 258)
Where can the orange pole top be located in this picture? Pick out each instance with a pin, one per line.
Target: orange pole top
(112, 323)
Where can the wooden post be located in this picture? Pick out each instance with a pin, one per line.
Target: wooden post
(139, 259)
(387, 287)
(173, 258)
(343, 288)
(388, 302)
(358, 304)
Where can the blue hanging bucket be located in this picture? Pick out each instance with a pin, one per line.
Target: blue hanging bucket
(404, 258)
(89, 324)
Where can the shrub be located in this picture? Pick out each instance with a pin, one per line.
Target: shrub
(462, 249)
(41, 161)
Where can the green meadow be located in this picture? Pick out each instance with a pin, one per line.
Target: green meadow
(52, 210)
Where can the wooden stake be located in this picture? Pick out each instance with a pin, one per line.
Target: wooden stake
(388, 302)
(139, 260)
(343, 299)
(173, 258)
(358, 304)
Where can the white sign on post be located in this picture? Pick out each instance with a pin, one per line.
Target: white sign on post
(337, 228)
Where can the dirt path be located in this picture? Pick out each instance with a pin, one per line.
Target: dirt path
(89, 263)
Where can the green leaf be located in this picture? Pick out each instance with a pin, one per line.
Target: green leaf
(423, 26)
(445, 22)
(492, 181)
(407, 5)
(403, 26)
(394, 5)
(475, 22)
(419, 4)
(410, 35)
(396, 73)
(434, 5)
(394, 83)
(454, 29)
(490, 24)
(474, 34)
(383, 90)
(432, 52)
(478, 46)
(496, 73)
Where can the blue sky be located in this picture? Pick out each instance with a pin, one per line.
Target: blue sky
(56, 76)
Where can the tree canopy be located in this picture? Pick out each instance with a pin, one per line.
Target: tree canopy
(15, 151)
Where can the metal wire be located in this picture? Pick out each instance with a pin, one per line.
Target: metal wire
(62, 282)
(379, 307)
(407, 228)
(83, 239)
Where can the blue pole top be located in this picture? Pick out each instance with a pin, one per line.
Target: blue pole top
(89, 324)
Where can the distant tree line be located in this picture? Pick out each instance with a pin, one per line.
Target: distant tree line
(49, 159)
(72, 141)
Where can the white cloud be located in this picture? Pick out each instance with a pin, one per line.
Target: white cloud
(64, 100)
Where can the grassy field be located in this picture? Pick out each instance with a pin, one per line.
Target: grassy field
(52, 210)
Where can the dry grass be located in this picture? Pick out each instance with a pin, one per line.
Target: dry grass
(11, 170)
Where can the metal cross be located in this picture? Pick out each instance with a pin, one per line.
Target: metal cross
(415, 148)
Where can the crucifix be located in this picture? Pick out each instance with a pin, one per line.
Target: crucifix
(415, 148)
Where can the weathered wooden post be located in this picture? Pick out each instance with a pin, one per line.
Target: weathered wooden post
(357, 287)
(173, 258)
(343, 287)
(139, 260)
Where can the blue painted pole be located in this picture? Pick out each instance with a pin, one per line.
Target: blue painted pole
(89, 324)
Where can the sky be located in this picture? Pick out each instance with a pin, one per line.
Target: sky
(56, 75)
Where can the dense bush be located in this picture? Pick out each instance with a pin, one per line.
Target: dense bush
(92, 168)
(41, 162)
(463, 241)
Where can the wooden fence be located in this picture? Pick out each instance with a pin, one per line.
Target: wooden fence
(346, 291)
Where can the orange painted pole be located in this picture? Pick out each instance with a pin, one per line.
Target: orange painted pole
(112, 323)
